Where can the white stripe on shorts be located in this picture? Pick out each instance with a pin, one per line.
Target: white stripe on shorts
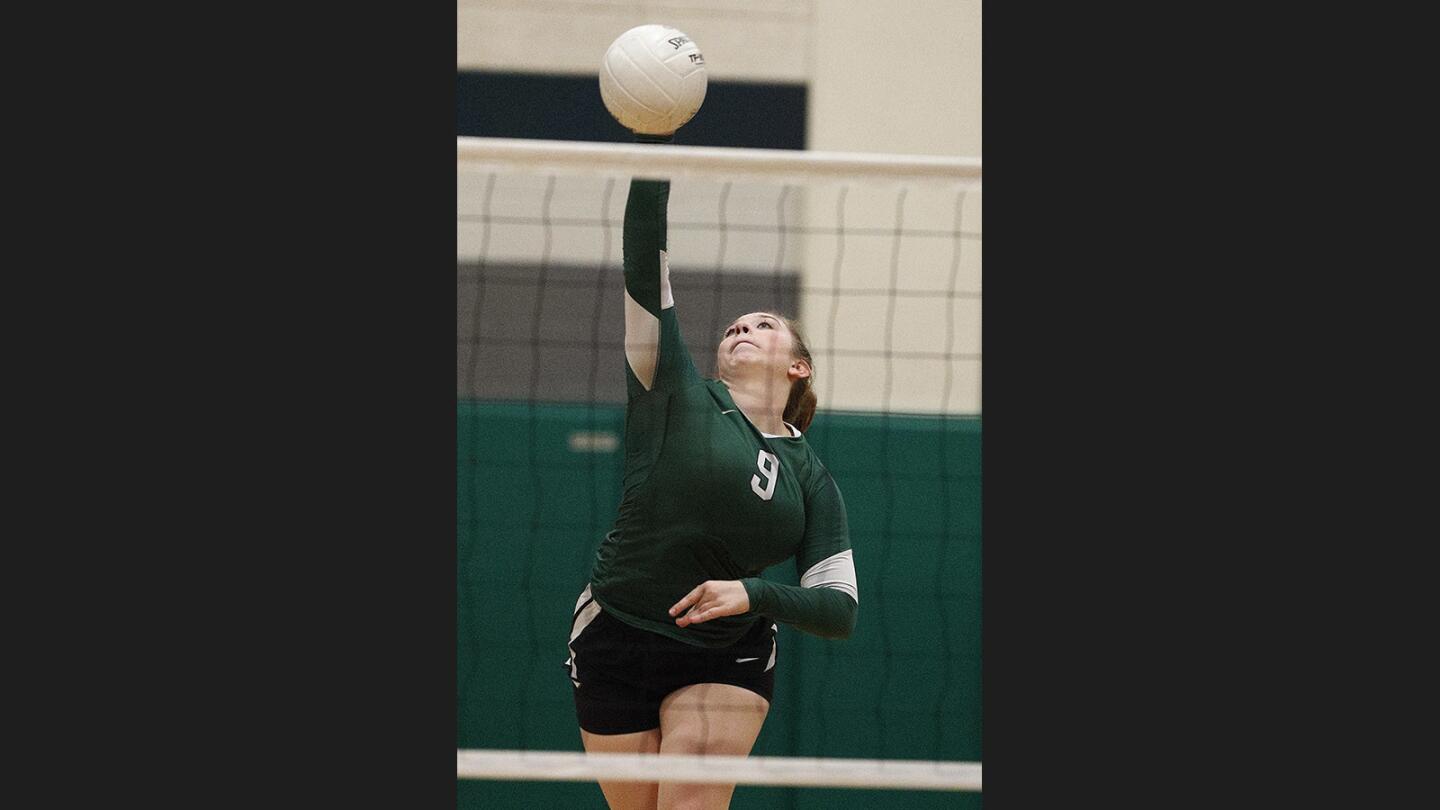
(582, 621)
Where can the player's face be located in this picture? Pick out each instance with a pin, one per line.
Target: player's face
(756, 338)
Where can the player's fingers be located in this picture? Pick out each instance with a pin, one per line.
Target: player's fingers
(703, 610)
(697, 604)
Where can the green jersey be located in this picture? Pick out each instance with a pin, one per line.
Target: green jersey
(706, 495)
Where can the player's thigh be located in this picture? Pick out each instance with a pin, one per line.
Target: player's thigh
(711, 718)
(707, 718)
(626, 795)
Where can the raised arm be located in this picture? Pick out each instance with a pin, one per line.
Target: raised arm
(654, 352)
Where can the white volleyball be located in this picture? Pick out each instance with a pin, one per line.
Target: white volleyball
(652, 79)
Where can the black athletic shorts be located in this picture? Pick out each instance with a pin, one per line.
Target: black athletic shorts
(620, 674)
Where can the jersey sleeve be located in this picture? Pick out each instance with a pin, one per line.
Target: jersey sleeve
(828, 599)
(655, 353)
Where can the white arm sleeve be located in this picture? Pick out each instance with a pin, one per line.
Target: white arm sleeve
(837, 571)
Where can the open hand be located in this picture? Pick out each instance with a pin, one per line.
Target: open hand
(711, 600)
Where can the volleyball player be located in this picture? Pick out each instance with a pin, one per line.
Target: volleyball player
(672, 647)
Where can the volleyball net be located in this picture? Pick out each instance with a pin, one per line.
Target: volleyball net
(879, 257)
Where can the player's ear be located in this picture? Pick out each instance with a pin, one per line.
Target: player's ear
(798, 370)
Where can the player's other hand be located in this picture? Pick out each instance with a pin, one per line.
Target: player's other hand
(711, 600)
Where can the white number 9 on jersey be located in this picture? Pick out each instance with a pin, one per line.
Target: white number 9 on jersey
(770, 468)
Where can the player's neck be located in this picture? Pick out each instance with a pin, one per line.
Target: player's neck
(762, 400)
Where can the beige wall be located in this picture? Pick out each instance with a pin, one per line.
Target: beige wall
(741, 39)
(898, 77)
(901, 77)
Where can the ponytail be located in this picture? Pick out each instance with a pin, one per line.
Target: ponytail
(800, 407)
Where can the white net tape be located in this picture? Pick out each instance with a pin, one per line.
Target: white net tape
(726, 163)
(563, 766)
